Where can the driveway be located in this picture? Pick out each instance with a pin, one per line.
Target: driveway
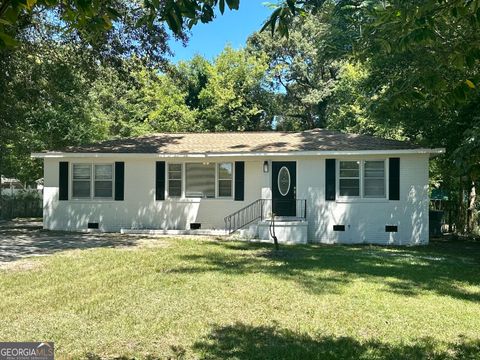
(24, 238)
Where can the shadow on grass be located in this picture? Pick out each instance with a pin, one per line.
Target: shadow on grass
(242, 341)
(442, 268)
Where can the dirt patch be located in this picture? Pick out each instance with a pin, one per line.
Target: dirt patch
(21, 266)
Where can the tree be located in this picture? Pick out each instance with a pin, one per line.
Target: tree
(234, 97)
(420, 61)
(303, 68)
(147, 102)
(192, 77)
(44, 104)
(93, 19)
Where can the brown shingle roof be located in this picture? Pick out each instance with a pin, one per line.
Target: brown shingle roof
(239, 142)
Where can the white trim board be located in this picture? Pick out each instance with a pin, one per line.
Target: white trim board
(238, 154)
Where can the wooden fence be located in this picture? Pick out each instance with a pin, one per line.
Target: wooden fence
(12, 207)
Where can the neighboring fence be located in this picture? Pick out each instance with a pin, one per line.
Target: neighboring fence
(24, 205)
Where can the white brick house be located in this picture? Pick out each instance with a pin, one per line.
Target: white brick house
(322, 186)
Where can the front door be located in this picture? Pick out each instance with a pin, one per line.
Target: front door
(284, 188)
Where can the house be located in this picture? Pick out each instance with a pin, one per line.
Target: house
(323, 186)
(10, 186)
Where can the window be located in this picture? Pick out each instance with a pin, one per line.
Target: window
(101, 178)
(364, 179)
(374, 179)
(103, 181)
(175, 180)
(200, 180)
(349, 178)
(82, 175)
(225, 179)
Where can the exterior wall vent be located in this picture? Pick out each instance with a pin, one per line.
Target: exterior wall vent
(391, 228)
(338, 227)
(195, 226)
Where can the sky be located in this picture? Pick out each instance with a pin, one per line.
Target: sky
(233, 27)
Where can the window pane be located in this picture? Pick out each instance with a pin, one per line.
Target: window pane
(103, 189)
(374, 169)
(175, 180)
(82, 171)
(175, 175)
(225, 171)
(349, 187)
(374, 187)
(175, 171)
(349, 169)
(81, 189)
(175, 167)
(103, 172)
(225, 188)
(175, 188)
(374, 179)
(200, 180)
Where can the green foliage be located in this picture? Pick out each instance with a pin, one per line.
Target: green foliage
(233, 97)
(348, 109)
(95, 18)
(147, 102)
(57, 95)
(302, 68)
(401, 69)
(421, 79)
(43, 104)
(192, 77)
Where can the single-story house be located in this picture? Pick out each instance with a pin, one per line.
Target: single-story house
(322, 186)
(12, 186)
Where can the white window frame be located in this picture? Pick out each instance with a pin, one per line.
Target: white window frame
(360, 184)
(217, 180)
(361, 196)
(92, 181)
(182, 182)
(82, 180)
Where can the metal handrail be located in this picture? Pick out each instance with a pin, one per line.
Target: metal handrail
(255, 211)
(244, 216)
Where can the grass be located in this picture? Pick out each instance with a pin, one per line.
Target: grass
(179, 298)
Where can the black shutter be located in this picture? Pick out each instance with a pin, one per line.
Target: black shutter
(119, 180)
(63, 180)
(160, 181)
(330, 179)
(394, 179)
(239, 180)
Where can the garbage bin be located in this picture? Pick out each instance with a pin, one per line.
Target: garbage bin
(435, 222)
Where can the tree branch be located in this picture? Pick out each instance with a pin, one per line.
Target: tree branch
(3, 7)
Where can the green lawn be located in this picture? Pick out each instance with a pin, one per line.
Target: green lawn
(216, 300)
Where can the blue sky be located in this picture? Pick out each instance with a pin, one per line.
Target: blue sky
(233, 27)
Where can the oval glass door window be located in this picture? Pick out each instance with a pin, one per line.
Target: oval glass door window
(284, 181)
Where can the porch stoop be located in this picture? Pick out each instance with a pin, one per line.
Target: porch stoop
(287, 231)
